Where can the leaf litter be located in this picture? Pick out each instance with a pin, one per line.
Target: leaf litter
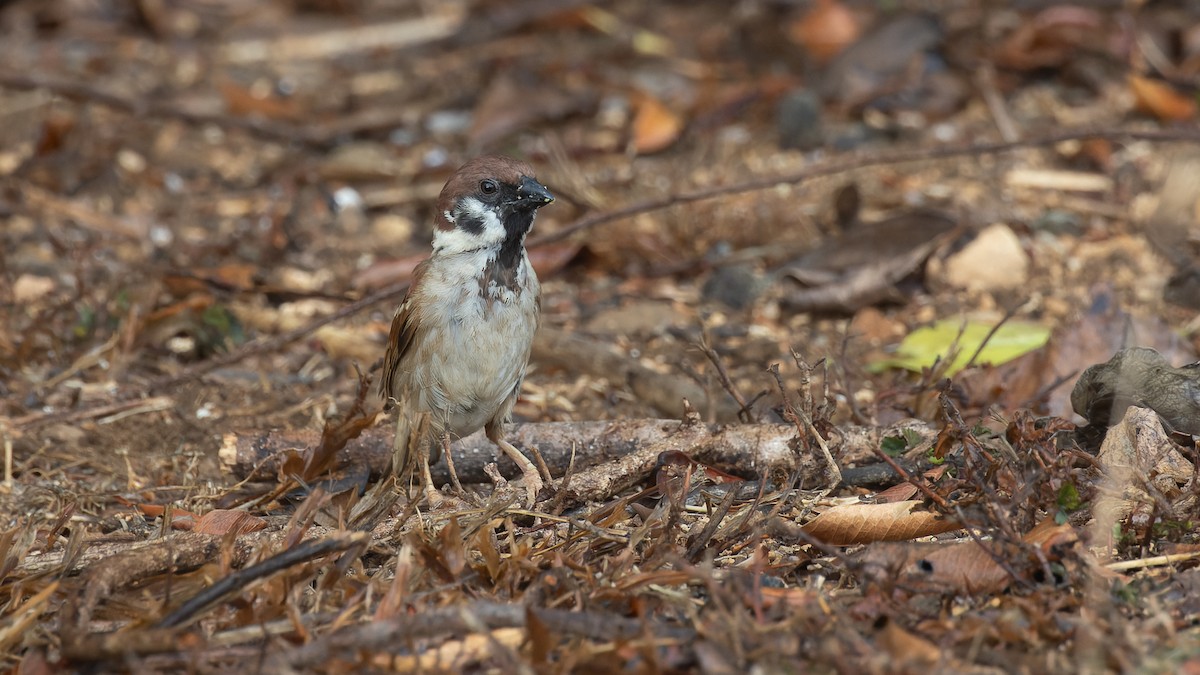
(192, 474)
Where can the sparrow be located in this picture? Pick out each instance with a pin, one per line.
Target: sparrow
(460, 341)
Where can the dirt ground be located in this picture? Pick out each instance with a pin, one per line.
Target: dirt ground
(777, 225)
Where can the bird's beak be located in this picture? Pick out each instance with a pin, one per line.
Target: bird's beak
(533, 193)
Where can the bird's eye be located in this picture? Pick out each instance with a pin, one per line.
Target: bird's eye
(488, 186)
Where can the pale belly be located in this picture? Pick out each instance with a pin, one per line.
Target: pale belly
(470, 365)
(465, 391)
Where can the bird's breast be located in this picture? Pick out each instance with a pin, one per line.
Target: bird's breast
(480, 332)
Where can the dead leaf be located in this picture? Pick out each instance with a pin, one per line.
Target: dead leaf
(453, 552)
(1050, 39)
(825, 30)
(908, 648)
(224, 521)
(243, 101)
(965, 566)
(1161, 99)
(862, 523)
(655, 126)
(897, 493)
(548, 259)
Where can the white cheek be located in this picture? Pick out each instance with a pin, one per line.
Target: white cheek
(459, 241)
(456, 241)
(493, 229)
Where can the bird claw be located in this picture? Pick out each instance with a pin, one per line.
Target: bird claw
(438, 501)
(532, 484)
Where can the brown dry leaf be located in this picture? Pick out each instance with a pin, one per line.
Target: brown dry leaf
(897, 493)
(242, 101)
(825, 29)
(224, 521)
(655, 126)
(965, 566)
(486, 546)
(1161, 99)
(793, 598)
(450, 543)
(907, 648)
(1137, 453)
(232, 276)
(1050, 39)
(847, 524)
(969, 567)
(181, 519)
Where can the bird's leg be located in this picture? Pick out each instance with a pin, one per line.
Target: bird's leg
(432, 496)
(529, 473)
(458, 488)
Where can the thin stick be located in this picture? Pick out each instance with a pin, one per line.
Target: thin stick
(744, 413)
(864, 160)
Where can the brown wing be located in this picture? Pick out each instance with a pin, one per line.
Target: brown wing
(405, 326)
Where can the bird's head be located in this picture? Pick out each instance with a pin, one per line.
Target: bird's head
(489, 202)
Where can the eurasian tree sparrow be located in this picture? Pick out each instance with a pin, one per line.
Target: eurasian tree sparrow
(460, 341)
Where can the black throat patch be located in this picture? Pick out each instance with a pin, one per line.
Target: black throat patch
(516, 226)
(502, 270)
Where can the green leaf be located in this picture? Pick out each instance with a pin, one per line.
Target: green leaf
(220, 329)
(924, 346)
(893, 446)
(85, 323)
(1068, 498)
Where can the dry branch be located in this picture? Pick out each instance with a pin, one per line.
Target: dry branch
(747, 448)
(609, 456)
(400, 631)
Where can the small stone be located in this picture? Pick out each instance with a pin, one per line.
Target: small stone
(736, 286)
(995, 260)
(390, 231)
(29, 287)
(799, 121)
(131, 161)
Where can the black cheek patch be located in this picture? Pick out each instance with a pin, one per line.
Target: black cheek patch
(468, 223)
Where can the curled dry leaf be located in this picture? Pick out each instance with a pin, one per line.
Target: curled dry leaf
(1161, 99)
(224, 521)
(242, 101)
(965, 566)
(908, 648)
(1050, 39)
(1137, 453)
(847, 524)
(825, 30)
(655, 126)
(897, 493)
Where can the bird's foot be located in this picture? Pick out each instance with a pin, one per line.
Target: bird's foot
(439, 501)
(526, 490)
(532, 484)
